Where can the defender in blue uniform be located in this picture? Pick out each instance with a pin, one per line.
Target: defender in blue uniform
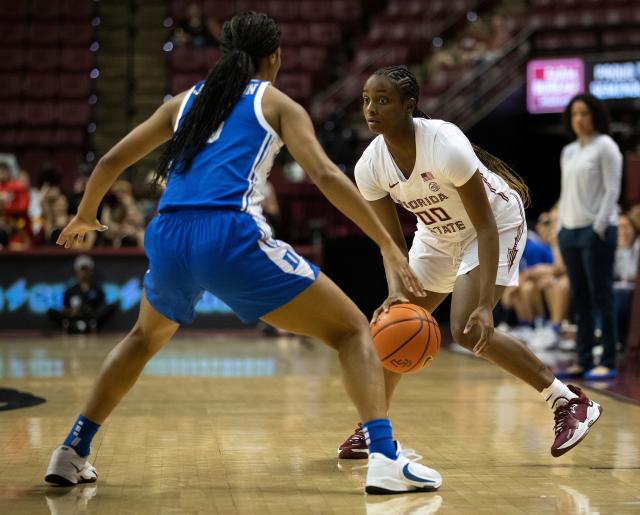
(210, 235)
(232, 254)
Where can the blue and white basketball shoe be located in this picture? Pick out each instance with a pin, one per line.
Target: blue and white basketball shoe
(405, 474)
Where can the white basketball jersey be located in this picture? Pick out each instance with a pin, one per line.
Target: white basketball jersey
(445, 160)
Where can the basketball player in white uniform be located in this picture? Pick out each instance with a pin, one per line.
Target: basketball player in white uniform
(470, 235)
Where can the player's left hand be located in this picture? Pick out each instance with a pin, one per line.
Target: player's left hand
(76, 229)
(482, 317)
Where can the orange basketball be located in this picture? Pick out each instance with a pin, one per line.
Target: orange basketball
(407, 338)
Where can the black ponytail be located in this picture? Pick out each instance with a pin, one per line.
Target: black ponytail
(245, 40)
(408, 86)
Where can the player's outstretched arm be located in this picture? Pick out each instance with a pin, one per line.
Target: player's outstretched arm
(298, 134)
(142, 140)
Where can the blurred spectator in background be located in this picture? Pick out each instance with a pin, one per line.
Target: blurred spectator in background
(5, 228)
(76, 193)
(526, 298)
(55, 208)
(195, 31)
(85, 309)
(14, 208)
(624, 274)
(634, 217)
(588, 216)
(14, 196)
(551, 279)
(34, 209)
(123, 218)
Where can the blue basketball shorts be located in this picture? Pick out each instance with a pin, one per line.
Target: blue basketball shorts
(226, 253)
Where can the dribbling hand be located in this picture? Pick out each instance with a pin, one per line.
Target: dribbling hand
(76, 230)
(395, 298)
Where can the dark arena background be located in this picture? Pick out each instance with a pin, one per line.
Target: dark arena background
(264, 408)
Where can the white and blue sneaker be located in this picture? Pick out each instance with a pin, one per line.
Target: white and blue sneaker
(405, 474)
(67, 468)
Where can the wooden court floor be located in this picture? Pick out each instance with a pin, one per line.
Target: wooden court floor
(242, 424)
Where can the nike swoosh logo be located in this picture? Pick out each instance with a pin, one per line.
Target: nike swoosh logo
(407, 473)
(74, 466)
(394, 184)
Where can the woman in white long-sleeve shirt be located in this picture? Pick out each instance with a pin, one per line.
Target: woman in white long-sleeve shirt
(588, 216)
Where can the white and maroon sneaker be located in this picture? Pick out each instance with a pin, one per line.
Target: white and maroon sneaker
(573, 421)
(354, 447)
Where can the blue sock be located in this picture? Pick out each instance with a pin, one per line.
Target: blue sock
(81, 434)
(379, 437)
(556, 328)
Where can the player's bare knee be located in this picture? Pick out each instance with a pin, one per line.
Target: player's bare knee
(353, 330)
(147, 340)
(465, 340)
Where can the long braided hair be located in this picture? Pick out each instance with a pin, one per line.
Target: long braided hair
(408, 87)
(246, 38)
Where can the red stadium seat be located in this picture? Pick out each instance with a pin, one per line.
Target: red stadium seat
(283, 10)
(184, 81)
(9, 113)
(41, 86)
(185, 60)
(42, 59)
(46, 9)
(76, 60)
(70, 114)
(12, 33)
(345, 10)
(44, 34)
(179, 8)
(312, 58)
(77, 34)
(74, 10)
(582, 40)
(8, 138)
(37, 114)
(294, 33)
(208, 57)
(11, 85)
(290, 58)
(615, 15)
(70, 137)
(324, 34)
(34, 160)
(35, 137)
(314, 11)
(215, 9)
(249, 5)
(74, 85)
(296, 85)
(12, 58)
(67, 162)
(14, 9)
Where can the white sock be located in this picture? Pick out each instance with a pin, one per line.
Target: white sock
(557, 394)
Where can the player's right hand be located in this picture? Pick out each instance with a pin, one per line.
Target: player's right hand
(397, 261)
(76, 229)
(394, 298)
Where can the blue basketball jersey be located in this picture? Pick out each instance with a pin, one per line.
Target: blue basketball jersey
(232, 168)
(211, 234)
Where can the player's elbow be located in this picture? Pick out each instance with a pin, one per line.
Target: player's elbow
(108, 161)
(324, 175)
